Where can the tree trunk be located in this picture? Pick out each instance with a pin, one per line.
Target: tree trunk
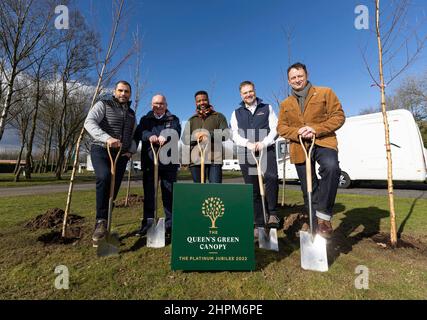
(59, 162)
(43, 163)
(49, 149)
(6, 106)
(18, 161)
(53, 161)
(8, 100)
(18, 174)
(284, 173)
(82, 132)
(61, 130)
(393, 230)
(68, 159)
(29, 158)
(128, 183)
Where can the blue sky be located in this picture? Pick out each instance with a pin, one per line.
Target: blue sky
(213, 45)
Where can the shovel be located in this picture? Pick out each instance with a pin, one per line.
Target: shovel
(156, 231)
(313, 246)
(109, 246)
(267, 237)
(284, 173)
(202, 160)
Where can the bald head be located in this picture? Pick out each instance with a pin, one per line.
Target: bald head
(159, 104)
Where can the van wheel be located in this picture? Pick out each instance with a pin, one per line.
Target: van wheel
(345, 181)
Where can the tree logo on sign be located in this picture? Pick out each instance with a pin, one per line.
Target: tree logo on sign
(213, 208)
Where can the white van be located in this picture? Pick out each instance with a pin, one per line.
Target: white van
(136, 165)
(362, 154)
(231, 164)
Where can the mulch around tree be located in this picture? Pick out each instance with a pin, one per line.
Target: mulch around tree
(295, 222)
(52, 219)
(404, 241)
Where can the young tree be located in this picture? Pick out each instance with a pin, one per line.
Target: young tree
(139, 87)
(280, 96)
(23, 23)
(116, 22)
(392, 36)
(77, 58)
(39, 72)
(47, 121)
(20, 117)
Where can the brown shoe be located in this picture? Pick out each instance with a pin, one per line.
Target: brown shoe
(324, 228)
(305, 227)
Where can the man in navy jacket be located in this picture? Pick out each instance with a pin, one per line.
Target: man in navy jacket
(162, 129)
(253, 125)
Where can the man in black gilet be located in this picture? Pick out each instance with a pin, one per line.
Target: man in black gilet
(254, 129)
(110, 122)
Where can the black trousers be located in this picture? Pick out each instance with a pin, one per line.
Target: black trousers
(325, 189)
(269, 168)
(102, 165)
(167, 177)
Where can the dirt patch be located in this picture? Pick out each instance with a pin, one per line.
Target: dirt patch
(73, 235)
(383, 240)
(51, 219)
(294, 223)
(134, 200)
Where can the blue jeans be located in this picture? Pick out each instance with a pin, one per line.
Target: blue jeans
(101, 164)
(213, 173)
(325, 189)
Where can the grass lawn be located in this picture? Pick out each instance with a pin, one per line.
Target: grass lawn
(27, 265)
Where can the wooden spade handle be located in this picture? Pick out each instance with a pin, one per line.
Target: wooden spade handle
(156, 176)
(113, 169)
(202, 160)
(308, 163)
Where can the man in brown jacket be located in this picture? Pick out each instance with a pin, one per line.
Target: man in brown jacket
(313, 112)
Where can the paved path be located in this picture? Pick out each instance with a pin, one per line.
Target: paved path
(404, 191)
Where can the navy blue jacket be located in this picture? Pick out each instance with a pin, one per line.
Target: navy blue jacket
(149, 125)
(259, 120)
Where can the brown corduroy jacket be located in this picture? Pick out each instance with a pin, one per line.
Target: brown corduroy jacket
(322, 112)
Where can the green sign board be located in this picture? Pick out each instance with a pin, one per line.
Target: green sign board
(212, 227)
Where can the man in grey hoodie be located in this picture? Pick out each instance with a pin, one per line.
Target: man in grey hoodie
(110, 122)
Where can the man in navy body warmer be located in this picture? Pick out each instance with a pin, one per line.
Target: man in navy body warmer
(253, 125)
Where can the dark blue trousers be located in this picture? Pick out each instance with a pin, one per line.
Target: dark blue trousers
(269, 168)
(325, 189)
(167, 177)
(102, 165)
(213, 173)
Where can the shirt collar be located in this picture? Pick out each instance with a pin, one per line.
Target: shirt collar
(158, 117)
